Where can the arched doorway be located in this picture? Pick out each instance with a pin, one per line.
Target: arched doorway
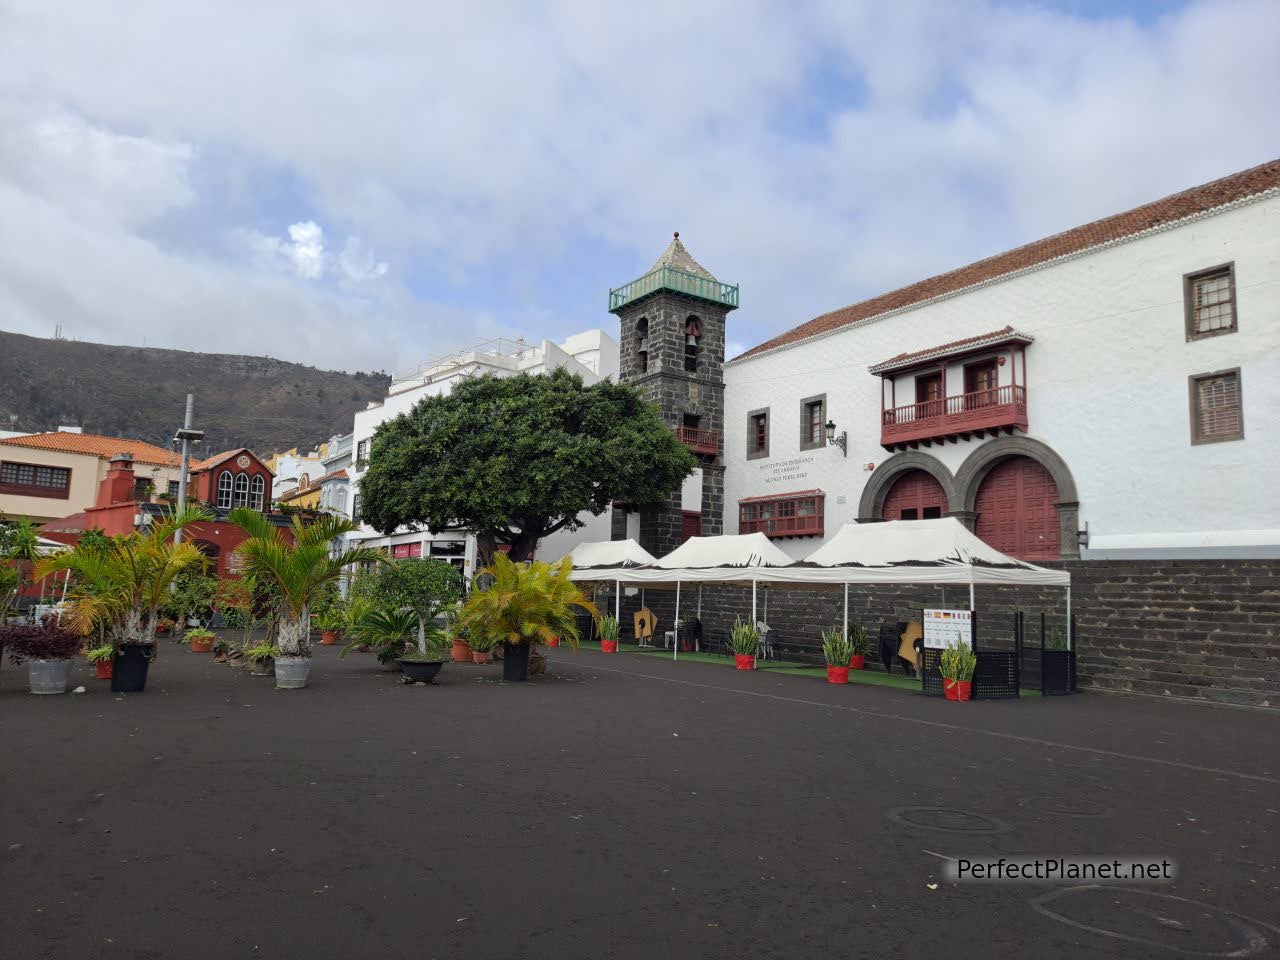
(1017, 510)
(915, 495)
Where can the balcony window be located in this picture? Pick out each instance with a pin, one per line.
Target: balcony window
(35, 480)
(784, 515)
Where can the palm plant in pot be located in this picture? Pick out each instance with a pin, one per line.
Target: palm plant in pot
(607, 631)
(388, 633)
(745, 640)
(100, 656)
(836, 648)
(482, 646)
(524, 606)
(859, 646)
(47, 648)
(298, 566)
(120, 585)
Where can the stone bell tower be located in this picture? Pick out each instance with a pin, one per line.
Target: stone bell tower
(672, 348)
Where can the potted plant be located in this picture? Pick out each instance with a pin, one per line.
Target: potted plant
(836, 647)
(120, 585)
(387, 632)
(482, 647)
(262, 659)
(957, 664)
(298, 567)
(427, 587)
(221, 650)
(199, 640)
(859, 646)
(745, 640)
(607, 631)
(330, 621)
(237, 601)
(524, 605)
(47, 649)
(165, 625)
(100, 657)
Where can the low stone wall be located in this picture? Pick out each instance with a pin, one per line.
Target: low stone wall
(1207, 630)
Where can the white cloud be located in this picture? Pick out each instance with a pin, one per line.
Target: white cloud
(816, 153)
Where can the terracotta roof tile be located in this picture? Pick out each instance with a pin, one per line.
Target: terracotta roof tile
(1238, 186)
(217, 458)
(103, 448)
(1003, 335)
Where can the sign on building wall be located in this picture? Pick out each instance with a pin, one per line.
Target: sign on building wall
(948, 628)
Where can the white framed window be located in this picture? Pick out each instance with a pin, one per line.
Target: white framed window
(259, 489)
(241, 497)
(224, 490)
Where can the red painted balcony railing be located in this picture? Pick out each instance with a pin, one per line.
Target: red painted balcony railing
(1001, 408)
(699, 441)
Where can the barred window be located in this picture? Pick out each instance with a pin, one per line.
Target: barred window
(1210, 302)
(1216, 410)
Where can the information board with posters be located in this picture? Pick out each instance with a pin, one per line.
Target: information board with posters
(946, 628)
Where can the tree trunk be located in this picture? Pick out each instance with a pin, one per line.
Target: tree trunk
(294, 634)
(522, 548)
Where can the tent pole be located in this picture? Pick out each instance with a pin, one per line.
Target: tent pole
(753, 604)
(640, 642)
(675, 639)
(699, 601)
(617, 603)
(846, 609)
(1071, 640)
(971, 589)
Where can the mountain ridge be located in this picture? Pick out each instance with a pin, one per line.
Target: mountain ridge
(140, 393)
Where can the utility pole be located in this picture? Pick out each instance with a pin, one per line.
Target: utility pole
(188, 436)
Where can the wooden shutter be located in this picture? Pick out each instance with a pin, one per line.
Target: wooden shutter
(1218, 406)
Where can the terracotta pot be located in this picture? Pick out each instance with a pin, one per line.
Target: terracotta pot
(461, 652)
(478, 657)
(837, 674)
(608, 646)
(950, 688)
(745, 661)
(202, 646)
(329, 637)
(857, 663)
(103, 668)
(964, 688)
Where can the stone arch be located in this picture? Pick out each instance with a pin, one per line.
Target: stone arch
(871, 506)
(979, 463)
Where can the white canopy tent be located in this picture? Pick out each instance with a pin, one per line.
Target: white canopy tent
(603, 560)
(941, 551)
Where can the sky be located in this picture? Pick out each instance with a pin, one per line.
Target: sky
(367, 186)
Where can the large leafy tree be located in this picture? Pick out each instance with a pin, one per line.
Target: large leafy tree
(425, 587)
(515, 459)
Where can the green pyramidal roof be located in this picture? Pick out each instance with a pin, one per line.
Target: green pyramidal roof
(676, 270)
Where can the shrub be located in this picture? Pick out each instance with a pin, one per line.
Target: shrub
(859, 645)
(745, 639)
(47, 641)
(836, 648)
(197, 633)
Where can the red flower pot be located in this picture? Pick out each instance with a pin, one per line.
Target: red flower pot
(857, 662)
(478, 657)
(461, 652)
(745, 661)
(553, 642)
(963, 689)
(950, 688)
(103, 667)
(329, 637)
(608, 646)
(837, 674)
(202, 646)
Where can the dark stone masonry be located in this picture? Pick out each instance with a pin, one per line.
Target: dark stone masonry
(1204, 629)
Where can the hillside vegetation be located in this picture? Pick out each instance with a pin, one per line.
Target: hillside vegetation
(140, 392)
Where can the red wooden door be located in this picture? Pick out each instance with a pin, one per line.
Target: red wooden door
(1017, 510)
(915, 495)
(690, 525)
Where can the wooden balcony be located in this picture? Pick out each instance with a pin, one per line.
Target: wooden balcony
(799, 514)
(703, 442)
(982, 413)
